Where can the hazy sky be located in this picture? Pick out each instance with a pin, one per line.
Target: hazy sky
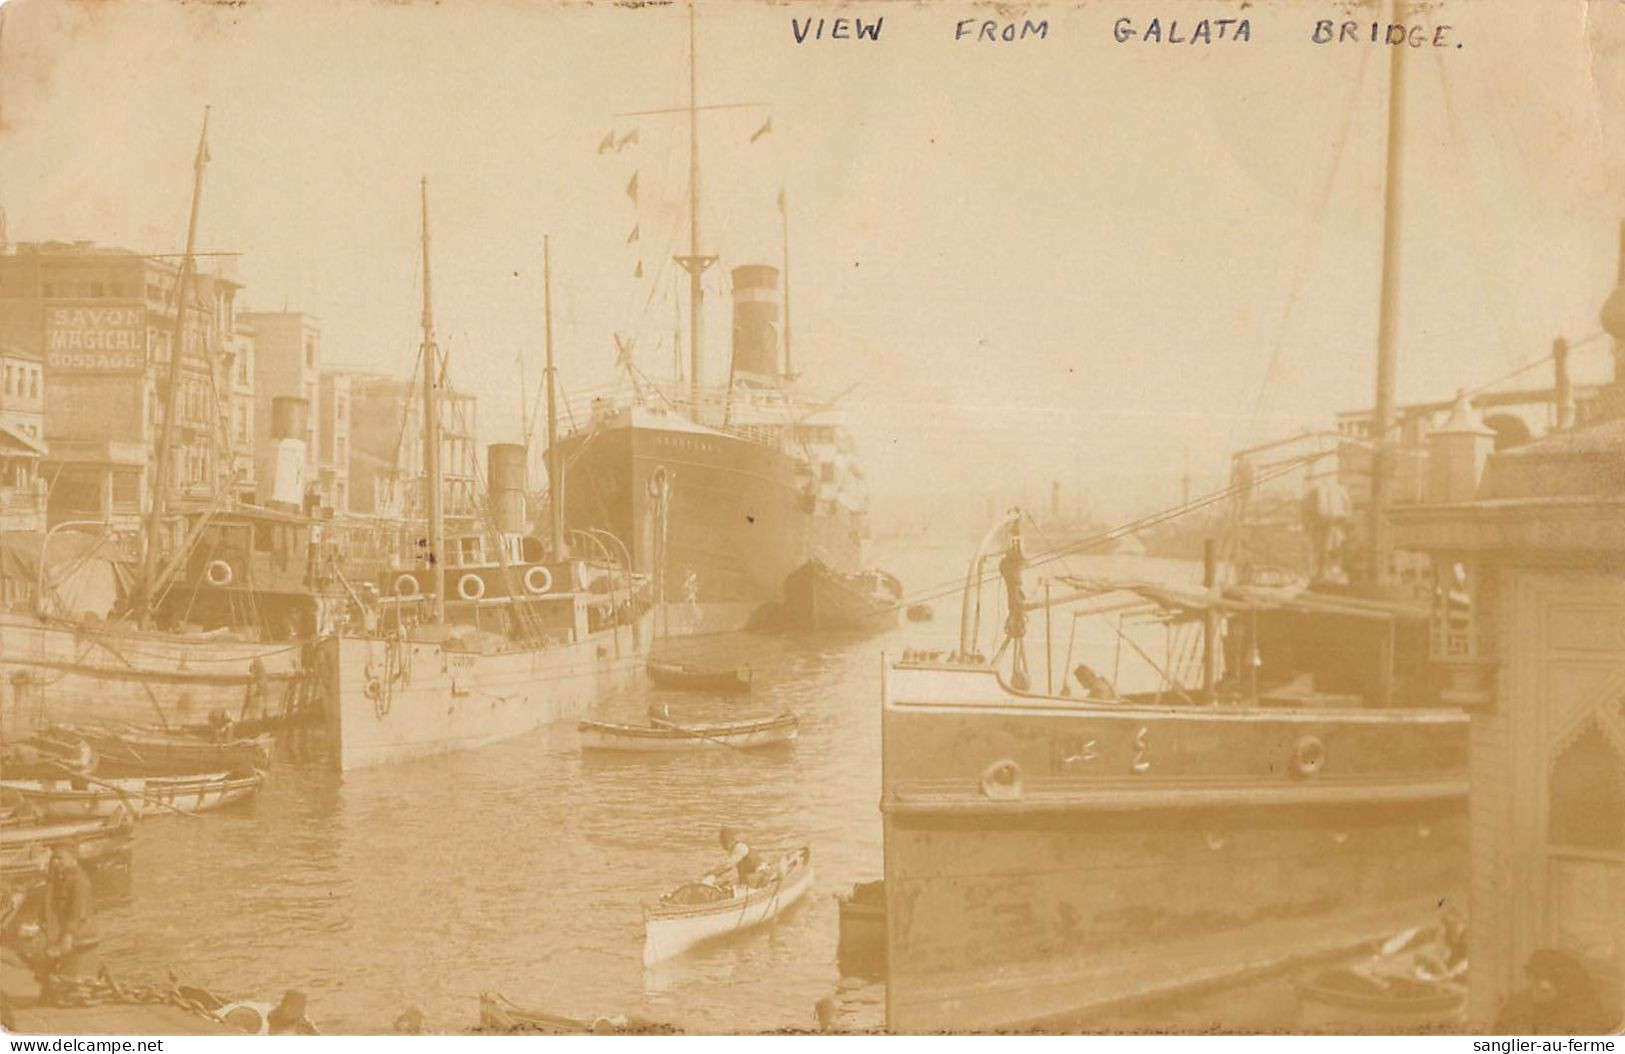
(1067, 258)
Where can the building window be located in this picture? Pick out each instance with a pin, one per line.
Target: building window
(310, 352)
(339, 452)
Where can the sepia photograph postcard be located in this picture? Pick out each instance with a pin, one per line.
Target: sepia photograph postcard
(821, 517)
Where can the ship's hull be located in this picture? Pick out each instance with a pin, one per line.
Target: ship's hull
(1048, 861)
(819, 599)
(739, 518)
(400, 700)
(64, 673)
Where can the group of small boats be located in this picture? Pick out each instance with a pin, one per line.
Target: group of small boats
(697, 912)
(86, 786)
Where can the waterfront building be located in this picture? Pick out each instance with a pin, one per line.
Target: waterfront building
(333, 427)
(101, 322)
(386, 454)
(22, 443)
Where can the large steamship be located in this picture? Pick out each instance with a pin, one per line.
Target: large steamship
(720, 492)
(721, 497)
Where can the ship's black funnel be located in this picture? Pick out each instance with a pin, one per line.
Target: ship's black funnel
(756, 321)
(505, 475)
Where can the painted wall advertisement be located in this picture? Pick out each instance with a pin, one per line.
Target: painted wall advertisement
(96, 337)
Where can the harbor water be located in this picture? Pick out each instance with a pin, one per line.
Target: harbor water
(520, 868)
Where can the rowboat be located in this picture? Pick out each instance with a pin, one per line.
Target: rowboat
(697, 912)
(144, 751)
(25, 850)
(73, 799)
(498, 1014)
(696, 679)
(1342, 1002)
(661, 735)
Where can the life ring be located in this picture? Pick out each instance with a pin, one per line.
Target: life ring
(219, 573)
(471, 587)
(406, 586)
(1309, 756)
(1001, 781)
(533, 574)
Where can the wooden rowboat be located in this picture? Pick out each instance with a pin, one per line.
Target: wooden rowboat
(1342, 1002)
(26, 849)
(498, 1014)
(692, 914)
(664, 736)
(72, 799)
(695, 679)
(139, 751)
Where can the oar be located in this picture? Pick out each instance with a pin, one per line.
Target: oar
(122, 793)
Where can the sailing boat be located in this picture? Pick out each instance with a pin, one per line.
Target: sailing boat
(55, 670)
(1058, 849)
(720, 491)
(496, 636)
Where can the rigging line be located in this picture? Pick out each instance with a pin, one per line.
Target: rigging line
(1311, 240)
(1526, 367)
(951, 587)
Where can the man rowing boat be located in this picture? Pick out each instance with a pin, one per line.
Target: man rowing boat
(747, 867)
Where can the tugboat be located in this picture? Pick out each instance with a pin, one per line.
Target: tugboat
(1049, 857)
(495, 634)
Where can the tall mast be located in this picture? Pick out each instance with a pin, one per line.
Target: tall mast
(1382, 421)
(164, 459)
(432, 478)
(524, 417)
(555, 469)
(676, 336)
(694, 263)
(784, 229)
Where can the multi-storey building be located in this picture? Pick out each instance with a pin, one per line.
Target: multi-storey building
(386, 460)
(22, 444)
(102, 323)
(333, 425)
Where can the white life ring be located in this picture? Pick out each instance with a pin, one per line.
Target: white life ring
(544, 574)
(1308, 756)
(219, 573)
(406, 586)
(471, 587)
